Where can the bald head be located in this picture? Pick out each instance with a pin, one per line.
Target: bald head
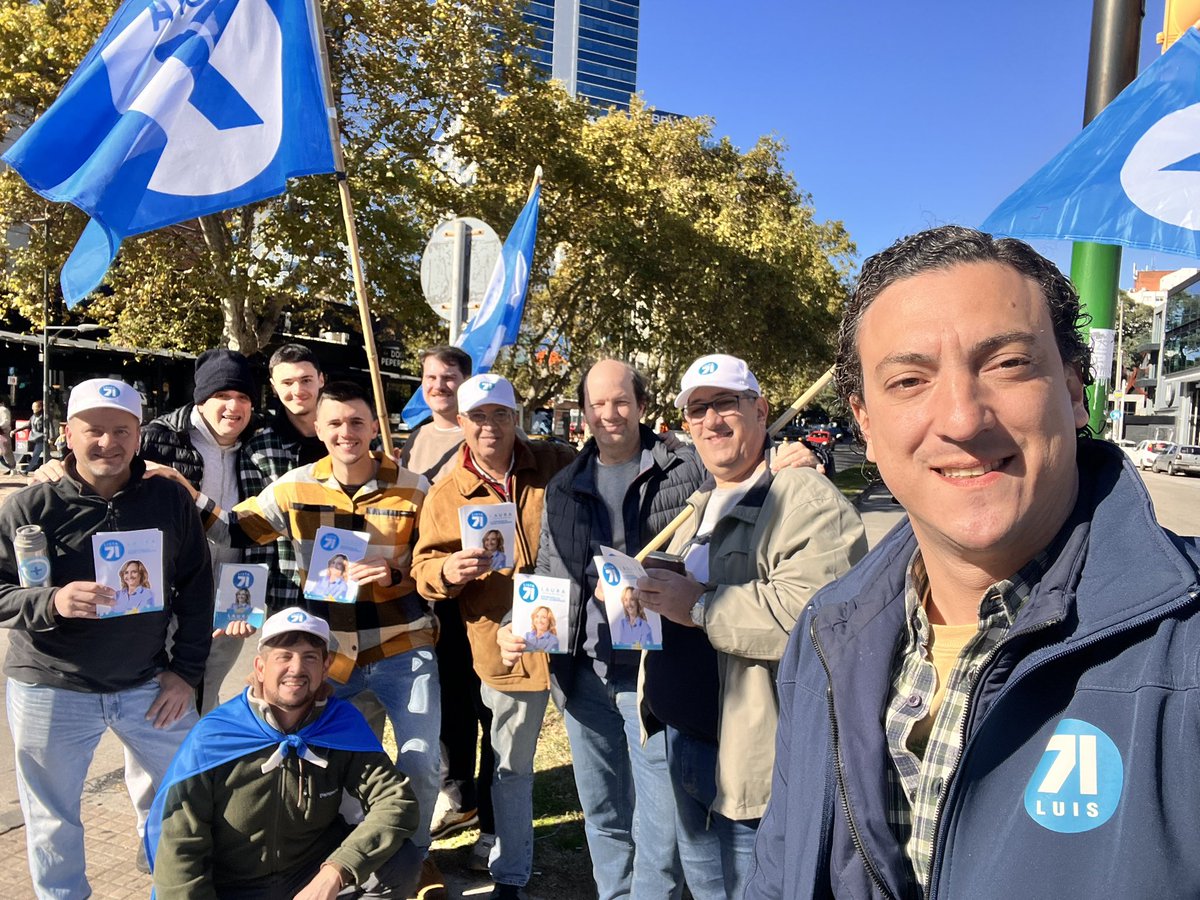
(613, 398)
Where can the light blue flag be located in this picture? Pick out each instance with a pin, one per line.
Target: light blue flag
(1132, 177)
(498, 321)
(182, 108)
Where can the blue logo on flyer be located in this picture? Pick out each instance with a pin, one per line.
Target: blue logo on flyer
(35, 570)
(611, 574)
(477, 519)
(243, 579)
(707, 369)
(110, 391)
(329, 541)
(1077, 785)
(111, 551)
(528, 591)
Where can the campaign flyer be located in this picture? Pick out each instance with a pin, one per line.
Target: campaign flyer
(542, 612)
(241, 595)
(631, 626)
(130, 562)
(492, 527)
(333, 551)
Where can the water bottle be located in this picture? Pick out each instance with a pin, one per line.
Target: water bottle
(33, 557)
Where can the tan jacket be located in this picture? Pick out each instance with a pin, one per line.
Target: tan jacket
(486, 601)
(767, 557)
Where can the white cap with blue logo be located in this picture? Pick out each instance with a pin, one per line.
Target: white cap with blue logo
(294, 619)
(716, 370)
(104, 393)
(484, 389)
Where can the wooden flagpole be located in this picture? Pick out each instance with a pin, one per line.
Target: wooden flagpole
(686, 513)
(356, 266)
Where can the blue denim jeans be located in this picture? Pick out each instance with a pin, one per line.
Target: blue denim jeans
(516, 724)
(55, 732)
(716, 851)
(625, 791)
(407, 686)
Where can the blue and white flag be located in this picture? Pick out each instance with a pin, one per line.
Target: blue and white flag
(182, 108)
(498, 321)
(1132, 177)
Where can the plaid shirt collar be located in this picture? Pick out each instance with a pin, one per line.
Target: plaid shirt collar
(917, 783)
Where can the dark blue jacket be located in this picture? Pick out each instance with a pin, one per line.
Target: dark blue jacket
(1080, 770)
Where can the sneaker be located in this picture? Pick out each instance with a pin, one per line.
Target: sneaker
(480, 853)
(142, 864)
(506, 892)
(432, 885)
(452, 821)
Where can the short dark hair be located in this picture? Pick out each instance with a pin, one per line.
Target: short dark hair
(943, 248)
(641, 389)
(450, 356)
(292, 638)
(295, 354)
(347, 392)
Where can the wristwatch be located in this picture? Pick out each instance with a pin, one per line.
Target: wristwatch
(697, 611)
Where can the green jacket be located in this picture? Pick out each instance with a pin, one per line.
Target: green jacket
(234, 824)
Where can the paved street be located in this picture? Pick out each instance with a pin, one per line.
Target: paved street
(108, 816)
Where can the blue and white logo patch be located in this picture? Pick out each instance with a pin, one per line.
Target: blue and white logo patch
(611, 574)
(707, 369)
(330, 541)
(297, 617)
(477, 519)
(528, 591)
(109, 391)
(486, 386)
(111, 551)
(243, 579)
(1077, 785)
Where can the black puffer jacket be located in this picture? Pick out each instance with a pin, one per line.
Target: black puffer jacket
(576, 523)
(166, 440)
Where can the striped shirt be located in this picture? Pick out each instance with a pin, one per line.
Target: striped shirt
(917, 780)
(384, 621)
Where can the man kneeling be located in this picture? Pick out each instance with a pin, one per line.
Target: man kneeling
(252, 806)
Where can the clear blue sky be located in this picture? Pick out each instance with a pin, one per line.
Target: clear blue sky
(900, 116)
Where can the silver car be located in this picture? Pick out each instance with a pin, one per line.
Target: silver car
(1179, 458)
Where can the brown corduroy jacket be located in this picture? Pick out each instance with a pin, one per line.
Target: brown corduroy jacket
(487, 600)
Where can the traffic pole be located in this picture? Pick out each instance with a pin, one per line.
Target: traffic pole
(1095, 268)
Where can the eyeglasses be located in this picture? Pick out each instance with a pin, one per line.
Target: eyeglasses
(724, 406)
(498, 419)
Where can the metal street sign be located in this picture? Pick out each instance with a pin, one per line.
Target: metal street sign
(438, 263)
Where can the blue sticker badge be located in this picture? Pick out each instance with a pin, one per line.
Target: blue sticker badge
(528, 591)
(110, 391)
(486, 385)
(477, 519)
(611, 574)
(707, 369)
(297, 617)
(1077, 785)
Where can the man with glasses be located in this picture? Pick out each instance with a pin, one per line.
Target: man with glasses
(756, 549)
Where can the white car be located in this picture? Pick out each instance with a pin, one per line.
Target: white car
(1147, 452)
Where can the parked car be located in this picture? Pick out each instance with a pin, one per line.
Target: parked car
(819, 436)
(1144, 455)
(1180, 458)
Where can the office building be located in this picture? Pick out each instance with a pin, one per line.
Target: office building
(591, 46)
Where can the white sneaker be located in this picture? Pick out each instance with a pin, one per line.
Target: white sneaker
(481, 852)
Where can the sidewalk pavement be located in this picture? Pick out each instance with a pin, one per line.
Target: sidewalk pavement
(108, 819)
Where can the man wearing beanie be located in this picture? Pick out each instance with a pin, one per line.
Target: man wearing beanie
(203, 442)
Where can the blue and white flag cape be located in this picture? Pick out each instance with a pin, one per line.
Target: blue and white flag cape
(233, 730)
(180, 109)
(1132, 177)
(498, 321)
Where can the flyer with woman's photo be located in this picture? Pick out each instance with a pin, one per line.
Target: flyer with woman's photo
(631, 625)
(241, 595)
(492, 527)
(130, 562)
(333, 551)
(542, 612)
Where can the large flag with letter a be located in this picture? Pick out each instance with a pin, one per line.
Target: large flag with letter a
(498, 321)
(182, 108)
(1132, 177)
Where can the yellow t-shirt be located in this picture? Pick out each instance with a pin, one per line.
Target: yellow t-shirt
(946, 644)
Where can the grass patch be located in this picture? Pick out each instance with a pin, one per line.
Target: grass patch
(851, 480)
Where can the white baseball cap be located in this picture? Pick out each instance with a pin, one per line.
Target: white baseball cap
(104, 393)
(483, 389)
(294, 619)
(716, 370)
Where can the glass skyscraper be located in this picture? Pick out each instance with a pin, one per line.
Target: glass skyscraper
(589, 45)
